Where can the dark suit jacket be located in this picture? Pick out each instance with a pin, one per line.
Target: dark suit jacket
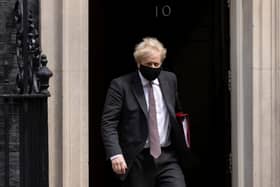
(124, 121)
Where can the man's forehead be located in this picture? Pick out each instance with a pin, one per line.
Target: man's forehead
(151, 55)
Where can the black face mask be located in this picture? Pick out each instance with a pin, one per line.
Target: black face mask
(149, 73)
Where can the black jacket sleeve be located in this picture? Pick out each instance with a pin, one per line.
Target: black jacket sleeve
(111, 119)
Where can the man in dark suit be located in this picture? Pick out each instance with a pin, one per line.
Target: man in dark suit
(140, 132)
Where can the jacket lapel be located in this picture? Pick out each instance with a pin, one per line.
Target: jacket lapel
(138, 91)
(167, 94)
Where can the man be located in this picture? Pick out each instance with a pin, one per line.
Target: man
(139, 128)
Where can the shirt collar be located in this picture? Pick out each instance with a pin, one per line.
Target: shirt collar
(144, 81)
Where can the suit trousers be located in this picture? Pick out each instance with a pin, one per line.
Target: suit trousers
(161, 172)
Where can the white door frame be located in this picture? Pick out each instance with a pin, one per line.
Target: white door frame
(241, 96)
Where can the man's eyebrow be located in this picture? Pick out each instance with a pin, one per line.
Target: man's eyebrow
(154, 62)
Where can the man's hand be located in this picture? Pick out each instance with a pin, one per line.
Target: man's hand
(119, 165)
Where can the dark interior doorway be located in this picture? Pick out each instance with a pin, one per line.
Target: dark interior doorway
(196, 34)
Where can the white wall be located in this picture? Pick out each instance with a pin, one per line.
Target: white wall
(65, 41)
(255, 61)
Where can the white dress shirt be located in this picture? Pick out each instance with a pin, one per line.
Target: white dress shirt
(162, 113)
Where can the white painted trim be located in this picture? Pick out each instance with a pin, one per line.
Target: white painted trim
(75, 93)
(64, 27)
(241, 96)
(51, 38)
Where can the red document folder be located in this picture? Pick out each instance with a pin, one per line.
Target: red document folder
(183, 119)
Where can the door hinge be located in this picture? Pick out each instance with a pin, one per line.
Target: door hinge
(229, 80)
(229, 163)
(228, 3)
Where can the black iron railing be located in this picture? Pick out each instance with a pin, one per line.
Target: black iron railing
(23, 103)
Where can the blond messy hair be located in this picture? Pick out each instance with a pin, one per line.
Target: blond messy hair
(147, 46)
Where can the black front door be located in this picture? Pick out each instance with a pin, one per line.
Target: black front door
(196, 35)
